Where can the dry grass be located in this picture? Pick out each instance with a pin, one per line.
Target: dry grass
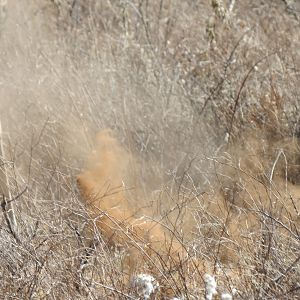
(201, 175)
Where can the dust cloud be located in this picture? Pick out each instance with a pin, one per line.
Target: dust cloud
(50, 109)
(237, 205)
(103, 186)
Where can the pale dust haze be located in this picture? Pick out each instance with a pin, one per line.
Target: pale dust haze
(236, 204)
(162, 186)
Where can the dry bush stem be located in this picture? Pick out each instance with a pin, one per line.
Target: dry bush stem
(237, 98)
(227, 64)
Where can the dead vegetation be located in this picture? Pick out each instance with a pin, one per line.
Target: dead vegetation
(200, 172)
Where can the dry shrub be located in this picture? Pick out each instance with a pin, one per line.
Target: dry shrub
(206, 106)
(256, 207)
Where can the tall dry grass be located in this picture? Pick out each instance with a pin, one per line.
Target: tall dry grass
(204, 100)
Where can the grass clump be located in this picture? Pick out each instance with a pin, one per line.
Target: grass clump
(194, 191)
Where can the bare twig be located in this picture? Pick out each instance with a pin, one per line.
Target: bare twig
(7, 206)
